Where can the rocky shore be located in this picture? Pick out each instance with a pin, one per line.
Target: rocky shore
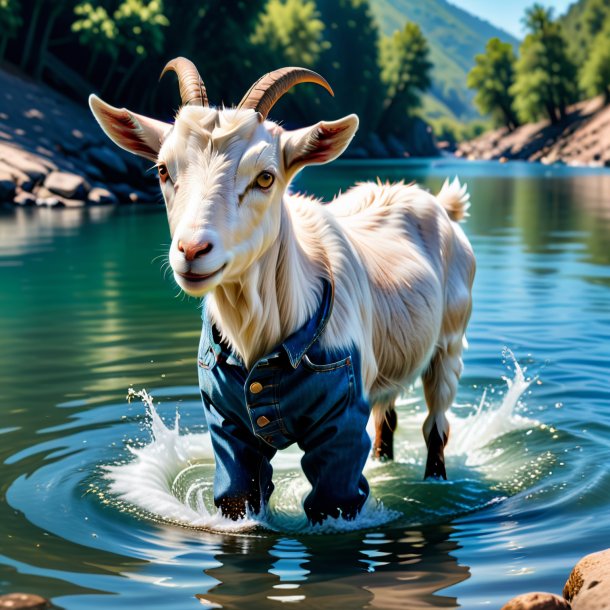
(53, 153)
(587, 588)
(581, 139)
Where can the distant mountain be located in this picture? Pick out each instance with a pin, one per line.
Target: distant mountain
(455, 37)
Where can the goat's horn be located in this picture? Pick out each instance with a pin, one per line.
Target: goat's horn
(268, 89)
(192, 89)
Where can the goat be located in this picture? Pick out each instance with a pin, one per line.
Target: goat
(399, 265)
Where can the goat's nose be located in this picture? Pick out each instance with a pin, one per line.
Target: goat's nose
(193, 250)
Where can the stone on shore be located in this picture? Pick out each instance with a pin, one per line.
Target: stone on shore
(99, 195)
(24, 199)
(21, 161)
(23, 601)
(71, 186)
(7, 186)
(537, 601)
(588, 587)
(109, 161)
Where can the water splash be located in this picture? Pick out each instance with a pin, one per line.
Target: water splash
(490, 421)
(171, 478)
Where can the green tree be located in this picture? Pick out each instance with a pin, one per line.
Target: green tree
(595, 75)
(10, 22)
(545, 81)
(140, 23)
(350, 63)
(97, 30)
(492, 77)
(405, 71)
(290, 31)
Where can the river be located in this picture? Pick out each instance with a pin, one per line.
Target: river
(107, 504)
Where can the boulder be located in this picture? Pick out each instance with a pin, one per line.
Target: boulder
(108, 161)
(24, 199)
(7, 186)
(19, 178)
(71, 186)
(45, 198)
(537, 601)
(101, 195)
(17, 159)
(588, 587)
(23, 601)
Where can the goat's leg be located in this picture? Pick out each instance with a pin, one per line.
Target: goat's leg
(384, 415)
(440, 383)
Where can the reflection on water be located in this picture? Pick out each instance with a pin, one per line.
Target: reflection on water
(85, 313)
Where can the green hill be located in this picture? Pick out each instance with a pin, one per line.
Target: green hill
(455, 37)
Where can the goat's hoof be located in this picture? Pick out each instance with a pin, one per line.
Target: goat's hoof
(435, 464)
(383, 454)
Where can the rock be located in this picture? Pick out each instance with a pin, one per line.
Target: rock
(100, 195)
(588, 587)
(19, 178)
(7, 186)
(537, 601)
(100, 155)
(127, 194)
(45, 198)
(24, 199)
(23, 601)
(71, 186)
(36, 171)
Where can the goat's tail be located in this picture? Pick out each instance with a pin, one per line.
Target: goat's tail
(455, 198)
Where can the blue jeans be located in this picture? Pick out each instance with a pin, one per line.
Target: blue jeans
(298, 393)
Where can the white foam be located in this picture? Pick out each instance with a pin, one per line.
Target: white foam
(184, 462)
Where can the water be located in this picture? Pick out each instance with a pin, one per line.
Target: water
(103, 507)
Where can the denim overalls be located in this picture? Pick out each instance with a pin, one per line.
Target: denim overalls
(298, 393)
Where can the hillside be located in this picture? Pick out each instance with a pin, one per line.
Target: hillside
(455, 37)
(580, 139)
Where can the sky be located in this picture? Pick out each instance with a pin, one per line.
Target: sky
(507, 14)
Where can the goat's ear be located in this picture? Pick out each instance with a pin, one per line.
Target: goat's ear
(133, 132)
(321, 143)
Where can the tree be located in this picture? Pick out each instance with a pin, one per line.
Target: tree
(10, 22)
(405, 71)
(492, 77)
(545, 80)
(595, 75)
(350, 63)
(97, 30)
(290, 30)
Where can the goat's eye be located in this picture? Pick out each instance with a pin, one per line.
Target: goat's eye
(264, 180)
(163, 173)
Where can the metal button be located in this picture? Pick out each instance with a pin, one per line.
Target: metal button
(256, 387)
(262, 421)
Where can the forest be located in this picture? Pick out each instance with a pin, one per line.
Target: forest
(117, 48)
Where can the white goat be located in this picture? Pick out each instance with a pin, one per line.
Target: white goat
(401, 266)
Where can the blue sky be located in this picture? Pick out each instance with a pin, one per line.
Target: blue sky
(507, 14)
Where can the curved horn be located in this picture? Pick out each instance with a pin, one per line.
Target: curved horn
(192, 89)
(268, 89)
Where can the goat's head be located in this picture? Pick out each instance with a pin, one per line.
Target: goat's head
(224, 172)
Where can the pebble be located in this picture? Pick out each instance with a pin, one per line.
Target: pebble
(23, 601)
(101, 195)
(71, 186)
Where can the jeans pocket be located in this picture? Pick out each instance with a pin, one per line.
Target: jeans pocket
(326, 366)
